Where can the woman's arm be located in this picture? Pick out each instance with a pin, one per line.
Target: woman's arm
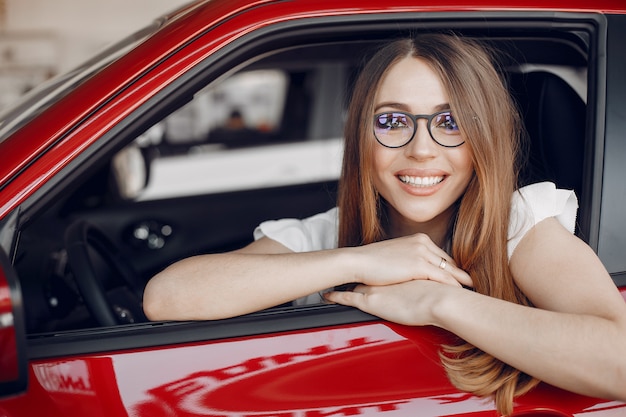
(266, 274)
(261, 275)
(574, 339)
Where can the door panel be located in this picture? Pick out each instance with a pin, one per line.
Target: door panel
(202, 224)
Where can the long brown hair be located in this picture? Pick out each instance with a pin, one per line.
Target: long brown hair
(491, 127)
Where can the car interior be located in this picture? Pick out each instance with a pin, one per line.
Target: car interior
(85, 257)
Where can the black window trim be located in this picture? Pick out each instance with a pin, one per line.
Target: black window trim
(612, 197)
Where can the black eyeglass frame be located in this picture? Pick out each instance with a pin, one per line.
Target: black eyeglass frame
(415, 118)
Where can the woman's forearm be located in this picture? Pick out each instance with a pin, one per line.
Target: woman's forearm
(225, 285)
(577, 352)
(265, 274)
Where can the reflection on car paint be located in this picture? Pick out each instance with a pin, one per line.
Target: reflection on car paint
(71, 377)
(77, 387)
(329, 372)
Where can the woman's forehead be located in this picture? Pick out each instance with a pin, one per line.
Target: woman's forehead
(411, 85)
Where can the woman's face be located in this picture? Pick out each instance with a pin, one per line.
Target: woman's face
(421, 180)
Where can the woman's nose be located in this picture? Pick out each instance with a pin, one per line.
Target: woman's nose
(422, 146)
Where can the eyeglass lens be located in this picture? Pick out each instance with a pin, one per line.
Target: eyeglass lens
(396, 129)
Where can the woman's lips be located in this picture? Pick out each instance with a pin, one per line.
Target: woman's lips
(421, 185)
(421, 181)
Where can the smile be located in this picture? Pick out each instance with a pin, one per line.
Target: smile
(420, 181)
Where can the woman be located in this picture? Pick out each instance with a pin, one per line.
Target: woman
(427, 208)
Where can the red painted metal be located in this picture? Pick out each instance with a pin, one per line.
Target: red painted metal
(8, 342)
(323, 372)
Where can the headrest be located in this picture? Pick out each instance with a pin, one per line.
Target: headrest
(554, 116)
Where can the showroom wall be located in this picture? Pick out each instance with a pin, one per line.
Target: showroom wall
(41, 38)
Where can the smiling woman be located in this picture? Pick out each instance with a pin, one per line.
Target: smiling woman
(410, 84)
(418, 221)
(449, 258)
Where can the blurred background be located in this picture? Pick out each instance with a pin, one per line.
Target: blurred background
(41, 38)
(289, 120)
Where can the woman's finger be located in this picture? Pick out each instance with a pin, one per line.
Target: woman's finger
(438, 257)
(352, 298)
(447, 266)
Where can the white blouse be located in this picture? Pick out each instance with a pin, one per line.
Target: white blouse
(529, 205)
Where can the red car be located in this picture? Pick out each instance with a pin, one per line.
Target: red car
(128, 163)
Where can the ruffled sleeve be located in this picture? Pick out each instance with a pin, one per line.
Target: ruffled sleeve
(536, 202)
(318, 232)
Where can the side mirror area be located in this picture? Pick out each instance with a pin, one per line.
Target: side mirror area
(131, 171)
(13, 359)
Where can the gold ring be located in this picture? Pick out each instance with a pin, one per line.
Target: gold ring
(443, 263)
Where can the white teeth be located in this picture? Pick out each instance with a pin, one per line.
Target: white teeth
(420, 181)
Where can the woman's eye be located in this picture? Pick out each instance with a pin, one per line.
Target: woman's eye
(447, 123)
(392, 121)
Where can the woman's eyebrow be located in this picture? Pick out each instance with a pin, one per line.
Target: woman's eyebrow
(405, 107)
(393, 105)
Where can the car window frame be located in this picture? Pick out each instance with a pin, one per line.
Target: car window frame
(611, 196)
(227, 60)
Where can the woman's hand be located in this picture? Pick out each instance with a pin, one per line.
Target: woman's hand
(402, 280)
(410, 303)
(408, 258)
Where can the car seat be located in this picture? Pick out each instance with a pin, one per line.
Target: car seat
(555, 117)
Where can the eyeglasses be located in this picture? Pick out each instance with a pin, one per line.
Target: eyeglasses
(396, 129)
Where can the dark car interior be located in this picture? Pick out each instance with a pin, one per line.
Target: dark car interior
(83, 261)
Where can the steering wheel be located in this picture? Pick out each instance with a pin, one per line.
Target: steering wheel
(110, 307)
